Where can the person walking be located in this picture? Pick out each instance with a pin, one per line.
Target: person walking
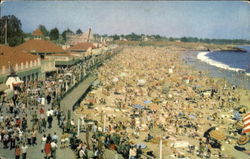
(96, 153)
(43, 142)
(33, 135)
(24, 124)
(50, 119)
(55, 137)
(5, 140)
(17, 152)
(48, 99)
(24, 148)
(12, 140)
(53, 149)
(47, 150)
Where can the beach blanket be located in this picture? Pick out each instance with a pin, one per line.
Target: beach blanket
(178, 144)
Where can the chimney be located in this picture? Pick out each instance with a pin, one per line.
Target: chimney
(89, 34)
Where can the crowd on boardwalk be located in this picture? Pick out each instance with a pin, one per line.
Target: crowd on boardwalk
(35, 105)
(146, 96)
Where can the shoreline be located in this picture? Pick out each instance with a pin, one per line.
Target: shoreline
(202, 57)
(233, 77)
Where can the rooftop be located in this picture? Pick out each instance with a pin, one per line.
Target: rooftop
(82, 46)
(9, 55)
(37, 32)
(40, 46)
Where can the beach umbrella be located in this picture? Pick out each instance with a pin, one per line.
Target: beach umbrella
(143, 146)
(192, 116)
(236, 115)
(156, 140)
(243, 140)
(147, 101)
(246, 121)
(154, 107)
(141, 82)
(217, 135)
(68, 74)
(92, 101)
(206, 133)
(156, 100)
(138, 106)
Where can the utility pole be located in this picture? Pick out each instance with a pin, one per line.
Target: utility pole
(6, 26)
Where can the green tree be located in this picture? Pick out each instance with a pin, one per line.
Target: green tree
(184, 39)
(65, 32)
(134, 37)
(54, 34)
(43, 30)
(79, 31)
(115, 37)
(15, 34)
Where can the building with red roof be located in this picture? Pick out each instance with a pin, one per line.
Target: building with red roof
(40, 47)
(37, 34)
(27, 66)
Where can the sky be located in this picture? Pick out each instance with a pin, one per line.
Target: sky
(203, 19)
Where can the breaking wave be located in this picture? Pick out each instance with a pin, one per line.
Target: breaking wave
(202, 56)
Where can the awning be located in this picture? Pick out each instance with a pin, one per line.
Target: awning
(3, 87)
(13, 81)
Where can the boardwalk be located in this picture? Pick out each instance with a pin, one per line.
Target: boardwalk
(76, 94)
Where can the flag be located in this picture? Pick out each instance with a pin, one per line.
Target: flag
(246, 121)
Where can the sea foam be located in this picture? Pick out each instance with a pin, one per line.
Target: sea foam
(202, 56)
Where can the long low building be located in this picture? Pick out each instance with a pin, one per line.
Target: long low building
(27, 66)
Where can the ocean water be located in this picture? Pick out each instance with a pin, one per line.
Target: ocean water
(233, 60)
(223, 64)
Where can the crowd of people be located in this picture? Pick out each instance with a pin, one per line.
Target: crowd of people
(148, 94)
(36, 104)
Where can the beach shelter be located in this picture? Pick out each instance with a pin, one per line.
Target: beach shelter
(246, 121)
(13, 81)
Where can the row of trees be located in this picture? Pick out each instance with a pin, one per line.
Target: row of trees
(141, 37)
(54, 33)
(15, 34)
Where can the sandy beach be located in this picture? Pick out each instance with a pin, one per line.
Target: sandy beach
(150, 90)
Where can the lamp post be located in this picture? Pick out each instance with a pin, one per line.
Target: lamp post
(78, 127)
(160, 155)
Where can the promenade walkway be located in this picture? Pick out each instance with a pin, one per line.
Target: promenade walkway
(73, 97)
